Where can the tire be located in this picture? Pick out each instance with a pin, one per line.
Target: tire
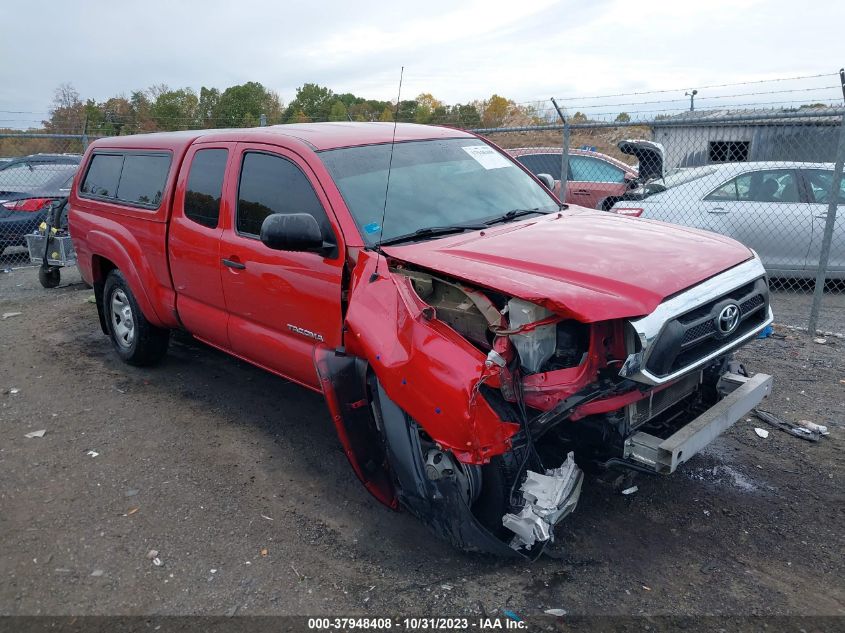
(494, 500)
(49, 277)
(137, 341)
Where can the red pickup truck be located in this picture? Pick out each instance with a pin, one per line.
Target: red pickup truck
(478, 343)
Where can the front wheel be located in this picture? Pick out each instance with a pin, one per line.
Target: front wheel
(135, 339)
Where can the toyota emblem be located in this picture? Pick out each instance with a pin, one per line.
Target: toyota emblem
(728, 319)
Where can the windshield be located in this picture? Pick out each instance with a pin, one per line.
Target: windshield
(432, 184)
(32, 176)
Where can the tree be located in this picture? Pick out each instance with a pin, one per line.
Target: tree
(578, 117)
(426, 106)
(623, 117)
(174, 109)
(313, 100)
(338, 112)
(243, 105)
(208, 104)
(67, 112)
(495, 111)
(386, 114)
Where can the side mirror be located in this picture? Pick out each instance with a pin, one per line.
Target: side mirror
(547, 180)
(293, 232)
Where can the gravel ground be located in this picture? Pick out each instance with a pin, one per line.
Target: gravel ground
(237, 479)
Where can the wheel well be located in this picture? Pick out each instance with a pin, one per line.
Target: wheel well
(100, 269)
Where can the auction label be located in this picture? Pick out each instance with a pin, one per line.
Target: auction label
(416, 624)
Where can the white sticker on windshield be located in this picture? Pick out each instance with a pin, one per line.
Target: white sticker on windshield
(487, 157)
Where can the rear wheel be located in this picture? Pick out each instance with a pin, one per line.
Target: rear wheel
(135, 339)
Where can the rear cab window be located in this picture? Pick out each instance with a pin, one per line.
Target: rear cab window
(205, 186)
(136, 179)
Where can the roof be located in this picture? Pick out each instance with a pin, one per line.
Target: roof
(817, 115)
(319, 136)
(530, 151)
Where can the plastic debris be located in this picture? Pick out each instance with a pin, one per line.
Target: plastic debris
(157, 562)
(92, 299)
(36, 433)
(152, 554)
(821, 429)
(14, 391)
(266, 517)
(548, 499)
(820, 340)
(788, 427)
(9, 315)
(97, 573)
(761, 432)
(556, 612)
(513, 616)
(92, 453)
(131, 511)
(631, 490)
(767, 332)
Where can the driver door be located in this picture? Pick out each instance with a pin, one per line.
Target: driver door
(281, 304)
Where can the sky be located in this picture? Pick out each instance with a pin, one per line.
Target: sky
(458, 51)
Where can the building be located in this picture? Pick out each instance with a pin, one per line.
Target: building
(807, 134)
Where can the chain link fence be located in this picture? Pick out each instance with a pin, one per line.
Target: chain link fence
(770, 178)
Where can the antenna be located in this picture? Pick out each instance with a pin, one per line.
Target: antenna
(374, 276)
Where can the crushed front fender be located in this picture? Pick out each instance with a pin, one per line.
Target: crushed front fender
(427, 368)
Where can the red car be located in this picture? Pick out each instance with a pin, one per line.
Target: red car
(595, 180)
(477, 342)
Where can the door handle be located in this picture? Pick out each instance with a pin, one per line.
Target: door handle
(822, 217)
(233, 264)
(581, 192)
(718, 210)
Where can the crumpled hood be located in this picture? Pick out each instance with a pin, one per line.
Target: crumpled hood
(588, 265)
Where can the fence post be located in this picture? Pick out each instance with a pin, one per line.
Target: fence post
(827, 237)
(830, 221)
(564, 158)
(262, 120)
(85, 134)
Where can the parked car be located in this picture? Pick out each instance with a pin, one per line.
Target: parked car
(476, 342)
(595, 180)
(27, 187)
(777, 208)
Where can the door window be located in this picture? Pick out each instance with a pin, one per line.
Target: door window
(587, 169)
(205, 187)
(542, 164)
(776, 185)
(819, 181)
(272, 184)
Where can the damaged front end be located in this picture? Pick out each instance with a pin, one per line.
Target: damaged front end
(482, 407)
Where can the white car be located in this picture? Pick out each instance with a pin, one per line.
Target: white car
(777, 208)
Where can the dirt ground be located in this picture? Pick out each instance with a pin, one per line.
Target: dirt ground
(236, 477)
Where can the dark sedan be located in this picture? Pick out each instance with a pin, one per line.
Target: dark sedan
(27, 187)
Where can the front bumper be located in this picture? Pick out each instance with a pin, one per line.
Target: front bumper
(665, 455)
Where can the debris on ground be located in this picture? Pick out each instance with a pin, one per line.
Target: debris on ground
(131, 492)
(152, 554)
(767, 332)
(821, 429)
(131, 511)
(92, 453)
(761, 432)
(820, 340)
(36, 433)
(513, 616)
(556, 612)
(9, 315)
(97, 573)
(788, 427)
(92, 299)
(14, 391)
(266, 517)
(631, 490)
(264, 551)
(157, 562)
